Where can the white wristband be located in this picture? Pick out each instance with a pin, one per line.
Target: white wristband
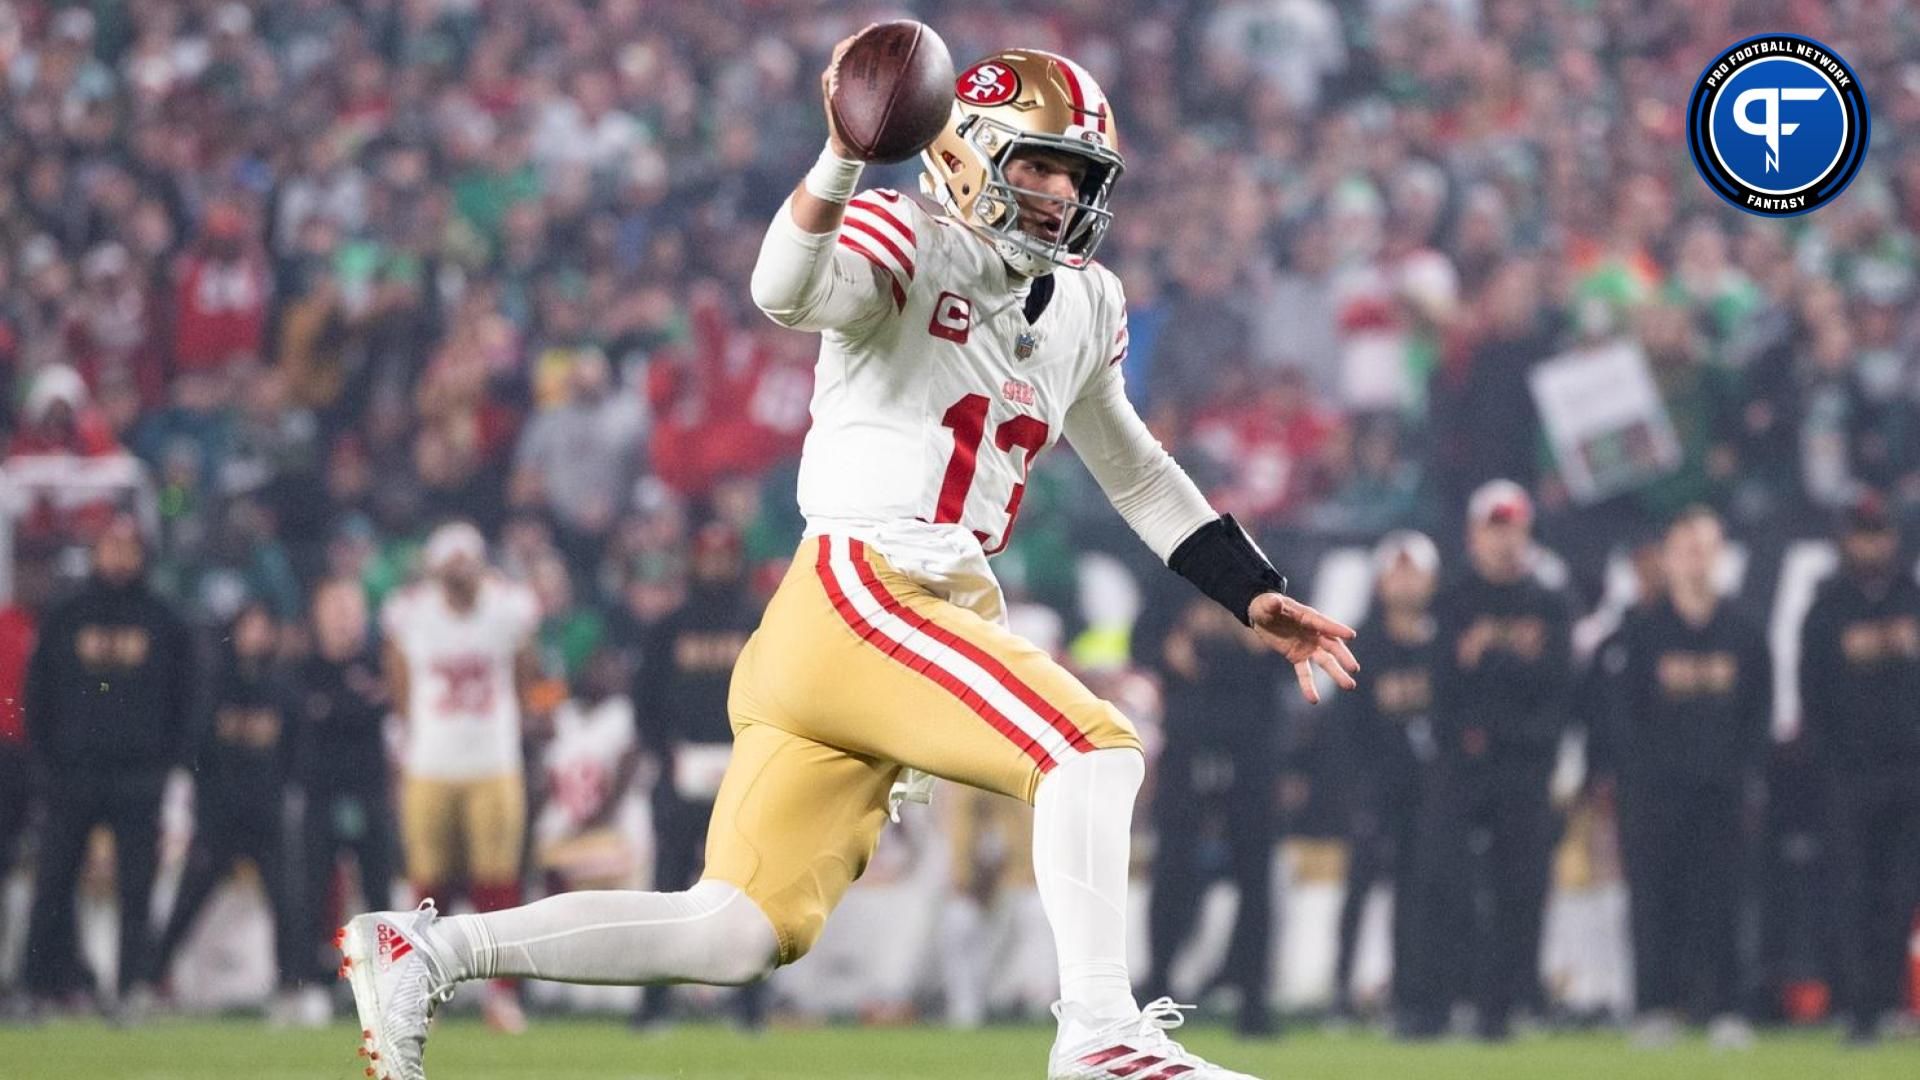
(832, 178)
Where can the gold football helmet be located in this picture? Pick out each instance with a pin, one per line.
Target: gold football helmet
(1025, 99)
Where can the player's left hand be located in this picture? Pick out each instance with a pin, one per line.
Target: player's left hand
(1306, 638)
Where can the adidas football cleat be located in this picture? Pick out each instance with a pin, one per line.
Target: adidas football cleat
(1135, 1049)
(398, 981)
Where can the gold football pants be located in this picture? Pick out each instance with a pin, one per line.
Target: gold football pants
(855, 672)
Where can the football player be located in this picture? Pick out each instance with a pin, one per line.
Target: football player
(955, 347)
(457, 649)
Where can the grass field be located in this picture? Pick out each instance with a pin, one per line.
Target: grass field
(607, 1051)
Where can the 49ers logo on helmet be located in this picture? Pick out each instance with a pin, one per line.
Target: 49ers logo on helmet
(987, 83)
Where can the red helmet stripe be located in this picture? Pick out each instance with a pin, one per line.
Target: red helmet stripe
(1072, 72)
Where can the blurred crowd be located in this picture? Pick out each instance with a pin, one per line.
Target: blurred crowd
(333, 271)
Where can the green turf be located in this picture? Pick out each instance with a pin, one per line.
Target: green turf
(607, 1051)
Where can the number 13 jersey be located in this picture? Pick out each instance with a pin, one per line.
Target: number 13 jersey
(932, 400)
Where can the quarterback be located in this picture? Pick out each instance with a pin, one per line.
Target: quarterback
(954, 349)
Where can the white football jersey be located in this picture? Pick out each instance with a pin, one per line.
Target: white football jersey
(463, 715)
(582, 761)
(930, 407)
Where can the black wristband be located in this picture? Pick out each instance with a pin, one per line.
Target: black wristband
(1223, 562)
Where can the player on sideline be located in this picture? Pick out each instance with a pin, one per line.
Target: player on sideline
(456, 648)
(952, 352)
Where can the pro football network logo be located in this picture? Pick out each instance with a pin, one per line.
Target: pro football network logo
(1778, 125)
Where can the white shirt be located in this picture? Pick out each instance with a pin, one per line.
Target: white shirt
(582, 761)
(933, 394)
(463, 715)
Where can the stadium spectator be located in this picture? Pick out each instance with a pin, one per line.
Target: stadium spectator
(110, 694)
(1693, 710)
(1215, 781)
(241, 764)
(221, 293)
(680, 694)
(17, 781)
(1860, 696)
(341, 766)
(1386, 734)
(576, 459)
(1499, 704)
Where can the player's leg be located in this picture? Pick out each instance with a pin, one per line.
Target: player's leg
(135, 814)
(429, 833)
(976, 854)
(794, 824)
(901, 674)
(878, 665)
(1250, 843)
(53, 969)
(1175, 873)
(676, 856)
(494, 824)
(210, 857)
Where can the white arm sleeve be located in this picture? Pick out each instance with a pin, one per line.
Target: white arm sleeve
(806, 281)
(1150, 489)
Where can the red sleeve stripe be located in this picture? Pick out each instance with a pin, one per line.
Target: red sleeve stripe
(880, 223)
(893, 276)
(1117, 359)
(903, 260)
(885, 215)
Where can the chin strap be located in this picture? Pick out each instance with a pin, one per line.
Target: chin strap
(1223, 562)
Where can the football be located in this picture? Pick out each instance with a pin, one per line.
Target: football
(893, 91)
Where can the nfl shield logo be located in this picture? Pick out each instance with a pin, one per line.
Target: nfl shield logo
(1023, 345)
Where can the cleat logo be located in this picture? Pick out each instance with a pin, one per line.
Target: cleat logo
(1142, 1069)
(391, 946)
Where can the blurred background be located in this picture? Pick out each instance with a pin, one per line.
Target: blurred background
(284, 286)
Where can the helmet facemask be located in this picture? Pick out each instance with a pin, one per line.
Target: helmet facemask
(995, 212)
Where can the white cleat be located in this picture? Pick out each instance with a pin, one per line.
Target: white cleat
(1135, 1049)
(388, 957)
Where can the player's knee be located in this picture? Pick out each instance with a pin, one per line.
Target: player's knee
(746, 945)
(1118, 766)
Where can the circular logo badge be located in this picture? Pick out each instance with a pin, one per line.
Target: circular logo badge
(1778, 125)
(987, 83)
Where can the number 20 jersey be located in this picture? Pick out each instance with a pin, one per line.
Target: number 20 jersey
(929, 410)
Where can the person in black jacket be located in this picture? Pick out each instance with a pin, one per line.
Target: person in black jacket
(680, 700)
(1693, 709)
(341, 764)
(1860, 706)
(1500, 689)
(1598, 688)
(110, 697)
(240, 769)
(1214, 806)
(1386, 738)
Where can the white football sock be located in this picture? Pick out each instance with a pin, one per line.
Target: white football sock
(712, 933)
(1082, 838)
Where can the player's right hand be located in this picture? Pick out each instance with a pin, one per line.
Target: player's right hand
(834, 141)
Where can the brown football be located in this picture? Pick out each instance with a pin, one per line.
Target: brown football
(893, 92)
